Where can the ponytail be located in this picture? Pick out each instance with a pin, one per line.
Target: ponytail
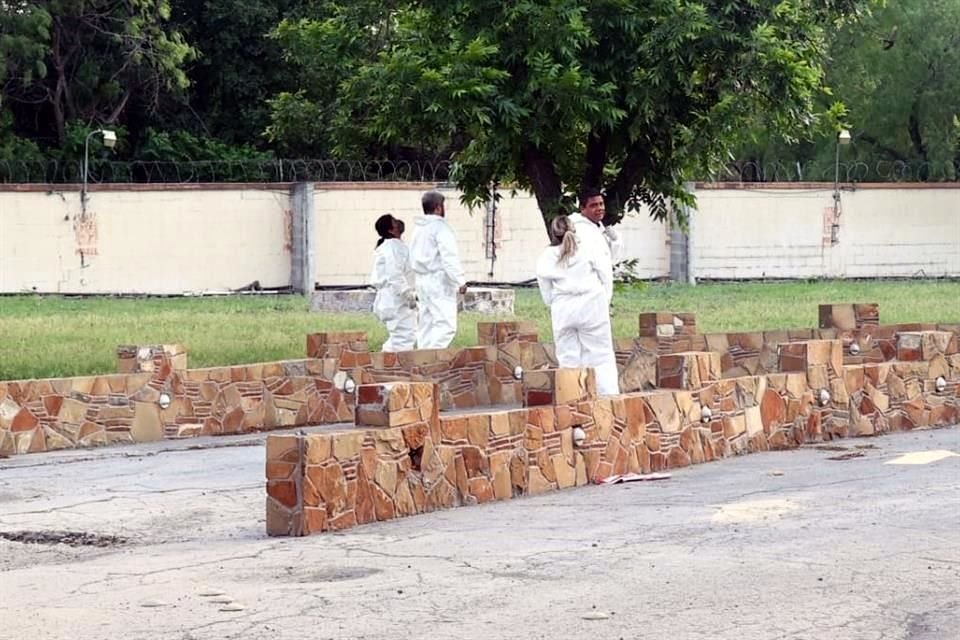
(383, 226)
(565, 237)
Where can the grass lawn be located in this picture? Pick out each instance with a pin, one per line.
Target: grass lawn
(54, 336)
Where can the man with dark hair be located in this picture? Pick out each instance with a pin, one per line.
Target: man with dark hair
(435, 260)
(599, 245)
(593, 209)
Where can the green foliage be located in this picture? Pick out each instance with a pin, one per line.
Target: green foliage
(16, 153)
(547, 95)
(185, 147)
(90, 61)
(24, 31)
(896, 82)
(238, 68)
(554, 95)
(902, 82)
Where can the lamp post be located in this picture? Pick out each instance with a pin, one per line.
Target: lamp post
(109, 141)
(843, 138)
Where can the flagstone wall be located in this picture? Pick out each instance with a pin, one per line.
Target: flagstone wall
(159, 397)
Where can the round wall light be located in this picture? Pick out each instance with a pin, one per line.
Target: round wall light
(823, 397)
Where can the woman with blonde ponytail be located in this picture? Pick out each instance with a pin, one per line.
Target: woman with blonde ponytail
(575, 281)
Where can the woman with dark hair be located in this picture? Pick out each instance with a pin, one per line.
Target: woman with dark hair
(396, 301)
(575, 280)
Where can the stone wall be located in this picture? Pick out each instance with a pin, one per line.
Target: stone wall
(66, 413)
(408, 458)
(757, 352)
(161, 398)
(468, 377)
(404, 456)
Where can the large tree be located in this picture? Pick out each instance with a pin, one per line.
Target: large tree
(553, 95)
(87, 62)
(897, 74)
(236, 70)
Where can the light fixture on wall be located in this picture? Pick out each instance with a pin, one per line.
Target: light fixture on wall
(823, 397)
(579, 436)
(109, 141)
(941, 384)
(854, 348)
(164, 400)
(344, 382)
(706, 414)
(518, 372)
(843, 138)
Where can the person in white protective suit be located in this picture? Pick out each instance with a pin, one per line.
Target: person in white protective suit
(576, 282)
(436, 262)
(396, 302)
(590, 219)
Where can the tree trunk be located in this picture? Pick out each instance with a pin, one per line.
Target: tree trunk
(546, 184)
(596, 160)
(112, 118)
(57, 97)
(620, 190)
(916, 138)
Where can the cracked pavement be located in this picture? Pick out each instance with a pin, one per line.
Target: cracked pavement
(778, 545)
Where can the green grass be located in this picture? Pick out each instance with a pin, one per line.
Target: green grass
(55, 336)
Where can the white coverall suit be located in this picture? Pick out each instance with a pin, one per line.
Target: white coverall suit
(614, 244)
(579, 295)
(436, 263)
(396, 302)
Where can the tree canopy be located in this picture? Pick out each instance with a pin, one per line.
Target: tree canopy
(556, 95)
(547, 95)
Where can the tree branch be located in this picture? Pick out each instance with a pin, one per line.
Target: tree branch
(119, 108)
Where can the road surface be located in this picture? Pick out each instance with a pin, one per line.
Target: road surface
(784, 545)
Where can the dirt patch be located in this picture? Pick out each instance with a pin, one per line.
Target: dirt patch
(70, 538)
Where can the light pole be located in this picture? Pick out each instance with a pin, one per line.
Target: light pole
(843, 138)
(109, 141)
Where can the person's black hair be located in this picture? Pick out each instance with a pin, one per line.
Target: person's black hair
(384, 225)
(587, 194)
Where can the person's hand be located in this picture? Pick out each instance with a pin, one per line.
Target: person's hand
(462, 290)
(411, 300)
(612, 234)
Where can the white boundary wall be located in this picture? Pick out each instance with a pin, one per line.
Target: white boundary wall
(784, 232)
(173, 239)
(343, 252)
(144, 241)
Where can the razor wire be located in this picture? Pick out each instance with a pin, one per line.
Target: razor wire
(853, 171)
(224, 171)
(419, 171)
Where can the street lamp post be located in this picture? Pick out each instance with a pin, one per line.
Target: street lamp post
(843, 138)
(109, 141)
